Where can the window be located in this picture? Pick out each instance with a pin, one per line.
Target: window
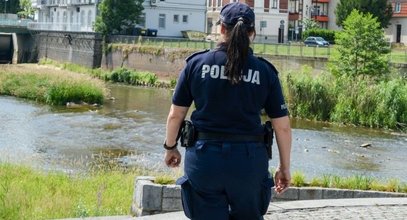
(263, 24)
(82, 18)
(161, 21)
(176, 18)
(274, 5)
(90, 18)
(142, 20)
(58, 17)
(185, 18)
(219, 4)
(71, 17)
(397, 7)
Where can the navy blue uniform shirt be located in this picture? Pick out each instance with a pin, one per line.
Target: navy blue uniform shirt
(223, 107)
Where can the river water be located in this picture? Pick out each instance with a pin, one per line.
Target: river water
(130, 129)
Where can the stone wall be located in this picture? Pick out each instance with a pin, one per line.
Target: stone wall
(150, 198)
(79, 48)
(166, 65)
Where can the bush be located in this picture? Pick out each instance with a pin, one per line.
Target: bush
(364, 102)
(309, 97)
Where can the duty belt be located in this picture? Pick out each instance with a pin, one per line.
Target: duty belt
(229, 137)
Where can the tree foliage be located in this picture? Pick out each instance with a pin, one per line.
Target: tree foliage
(362, 48)
(117, 15)
(381, 9)
(310, 24)
(27, 11)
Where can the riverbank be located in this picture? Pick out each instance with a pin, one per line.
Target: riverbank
(50, 86)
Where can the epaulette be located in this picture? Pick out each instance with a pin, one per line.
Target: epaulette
(269, 64)
(196, 53)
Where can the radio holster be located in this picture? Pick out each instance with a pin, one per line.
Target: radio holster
(268, 137)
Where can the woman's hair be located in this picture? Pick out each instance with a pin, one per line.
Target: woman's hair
(237, 44)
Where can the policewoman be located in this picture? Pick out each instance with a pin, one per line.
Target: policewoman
(226, 169)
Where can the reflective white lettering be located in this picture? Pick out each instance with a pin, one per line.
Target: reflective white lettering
(222, 73)
(218, 72)
(215, 71)
(248, 77)
(256, 78)
(205, 70)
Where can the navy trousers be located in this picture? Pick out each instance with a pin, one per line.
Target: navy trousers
(226, 180)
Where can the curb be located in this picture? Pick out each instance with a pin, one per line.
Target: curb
(150, 198)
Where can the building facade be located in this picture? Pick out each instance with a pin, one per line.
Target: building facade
(271, 18)
(65, 15)
(396, 32)
(170, 17)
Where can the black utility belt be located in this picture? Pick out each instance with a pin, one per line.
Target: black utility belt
(228, 137)
(188, 135)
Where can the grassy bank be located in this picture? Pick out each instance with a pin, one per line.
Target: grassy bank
(50, 86)
(26, 193)
(29, 194)
(120, 75)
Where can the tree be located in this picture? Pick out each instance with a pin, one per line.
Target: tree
(310, 24)
(27, 11)
(381, 9)
(117, 15)
(361, 46)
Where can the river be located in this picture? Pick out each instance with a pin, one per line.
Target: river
(130, 128)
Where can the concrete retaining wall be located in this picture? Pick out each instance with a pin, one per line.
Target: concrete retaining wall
(80, 48)
(150, 198)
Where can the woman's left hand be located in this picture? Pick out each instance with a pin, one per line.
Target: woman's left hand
(172, 158)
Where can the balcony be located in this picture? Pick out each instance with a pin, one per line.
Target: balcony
(293, 16)
(321, 18)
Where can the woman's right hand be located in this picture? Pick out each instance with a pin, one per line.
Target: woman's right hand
(282, 180)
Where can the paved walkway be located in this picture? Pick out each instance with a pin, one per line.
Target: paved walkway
(365, 208)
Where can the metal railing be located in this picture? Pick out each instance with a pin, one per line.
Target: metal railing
(296, 49)
(49, 26)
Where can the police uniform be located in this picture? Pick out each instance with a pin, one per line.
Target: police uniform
(227, 178)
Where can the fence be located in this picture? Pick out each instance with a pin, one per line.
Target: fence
(287, 49)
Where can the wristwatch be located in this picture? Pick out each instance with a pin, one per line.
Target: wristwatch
(169, 147)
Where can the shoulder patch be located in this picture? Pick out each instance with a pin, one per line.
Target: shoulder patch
(196, 53)
(269, 64)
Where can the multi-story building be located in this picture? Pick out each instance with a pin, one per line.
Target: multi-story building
(396, 32)
(271, 17)
(168, 17)
(65, 15)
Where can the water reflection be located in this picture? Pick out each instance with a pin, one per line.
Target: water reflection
(130, 129)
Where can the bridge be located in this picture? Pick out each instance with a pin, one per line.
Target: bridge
(15, 38)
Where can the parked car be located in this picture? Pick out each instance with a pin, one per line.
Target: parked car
(316, 42)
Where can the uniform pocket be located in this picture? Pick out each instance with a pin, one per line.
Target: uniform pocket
(268, 183)
(186, 192)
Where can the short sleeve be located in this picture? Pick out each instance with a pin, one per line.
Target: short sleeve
(182, 94)
(275, 106)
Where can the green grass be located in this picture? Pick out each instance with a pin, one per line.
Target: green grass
(356, 182)
(26, 193)
(46, 85)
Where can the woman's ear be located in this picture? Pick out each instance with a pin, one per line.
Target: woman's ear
(222, 29)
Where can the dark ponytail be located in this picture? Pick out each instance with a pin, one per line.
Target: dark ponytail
(237, 44)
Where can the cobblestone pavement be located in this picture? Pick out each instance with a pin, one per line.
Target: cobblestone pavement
(393, 212)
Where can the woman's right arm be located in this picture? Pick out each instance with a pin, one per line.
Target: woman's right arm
(282, 131)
